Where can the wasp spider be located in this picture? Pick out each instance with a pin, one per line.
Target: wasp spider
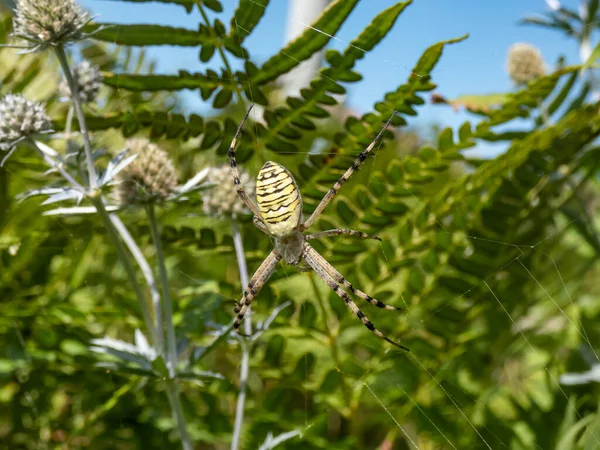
(278, 213)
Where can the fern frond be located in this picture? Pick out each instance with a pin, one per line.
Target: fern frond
(148, 34)
(313, 39)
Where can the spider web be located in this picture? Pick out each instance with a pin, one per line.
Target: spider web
(398, 65)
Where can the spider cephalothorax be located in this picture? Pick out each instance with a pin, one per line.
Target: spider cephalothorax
(278, 213)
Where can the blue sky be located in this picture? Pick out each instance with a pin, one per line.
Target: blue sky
(475, 66)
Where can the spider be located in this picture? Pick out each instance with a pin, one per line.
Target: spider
(278, 214)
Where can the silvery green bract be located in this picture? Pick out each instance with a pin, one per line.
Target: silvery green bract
(20, 118)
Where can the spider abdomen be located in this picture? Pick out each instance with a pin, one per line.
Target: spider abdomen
(278, 199)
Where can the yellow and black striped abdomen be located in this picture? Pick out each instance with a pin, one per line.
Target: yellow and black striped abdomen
(278, 199)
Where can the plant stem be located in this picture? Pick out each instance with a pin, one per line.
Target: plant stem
(544, 114)
(69, 122)
(171, 351)
(173, 395)
(243, 268)
(245, 363)
(112, 232)
(64, 62)
(332, 337)
(172, 390)
(221, 52)
(148, 275)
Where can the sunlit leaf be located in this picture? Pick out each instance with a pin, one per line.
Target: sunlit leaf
(146, 34)
(314, 38)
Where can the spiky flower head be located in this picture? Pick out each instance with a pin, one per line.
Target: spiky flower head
(524, 63)
(20, 118)
(88, 79)
(148, 178)
(43, 23)
(222, 199)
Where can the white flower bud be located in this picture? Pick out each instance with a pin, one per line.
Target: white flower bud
(524, 63)
(48, 22)
(148, 178)
(222, 200)
(88, 79)
(20, 118)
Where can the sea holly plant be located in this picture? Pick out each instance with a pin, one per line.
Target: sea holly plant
(55, 24)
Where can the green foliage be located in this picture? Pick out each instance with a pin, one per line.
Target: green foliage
(187, 4)
(494, 262)
(247, 15)
(307, 43)
(147, 35)
(150, 83)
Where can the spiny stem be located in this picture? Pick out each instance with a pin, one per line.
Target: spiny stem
(245, 363)
(171, 351)
(173, 395)
(69, 121)
(243, 268)
(156, 338)
(148, 275)
(64, 62)
(112, 232)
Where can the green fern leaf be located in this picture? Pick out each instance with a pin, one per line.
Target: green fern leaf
(578, 101)
(360, 134)
(207, 51)
(562, 95)
(463, 204)
(403, 99)
(185, 80)
(223, 98)
(142, 35)
(214, 5)
(308, 43)
(318, 93)
(247, 15)
(187, 4)
(161, 124)
(473, 103)
(519, 104)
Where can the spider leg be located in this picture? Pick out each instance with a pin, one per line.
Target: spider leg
(235, 172)
(340, 231)
(257, 281)
(322, 273)
(260, 225)
(339, 183)
(339, 278)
